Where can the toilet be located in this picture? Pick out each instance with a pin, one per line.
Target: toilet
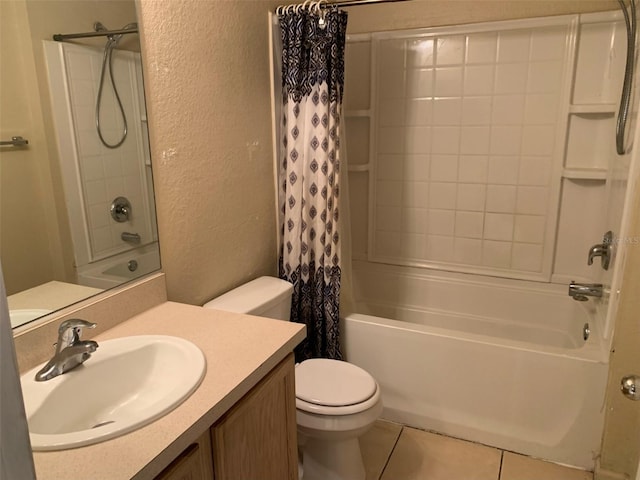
(336, 401)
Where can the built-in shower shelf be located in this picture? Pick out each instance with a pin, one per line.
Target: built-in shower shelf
(357, 113)
(593, 108)
(359, 168)
(585, 173)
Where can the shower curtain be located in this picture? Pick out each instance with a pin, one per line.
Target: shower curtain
(309, 173)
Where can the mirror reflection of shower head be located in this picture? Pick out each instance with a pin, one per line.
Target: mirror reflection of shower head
(107, 64)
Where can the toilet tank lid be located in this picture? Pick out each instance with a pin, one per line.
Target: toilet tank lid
(253, 297)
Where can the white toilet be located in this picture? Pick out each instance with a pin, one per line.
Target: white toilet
(336, 401)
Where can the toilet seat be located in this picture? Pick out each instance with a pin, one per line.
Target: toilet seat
(333, 387)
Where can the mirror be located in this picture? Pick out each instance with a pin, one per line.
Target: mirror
(76, 216)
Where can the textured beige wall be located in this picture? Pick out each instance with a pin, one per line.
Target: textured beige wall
(621, 440)
(207, 77)
(428, 13)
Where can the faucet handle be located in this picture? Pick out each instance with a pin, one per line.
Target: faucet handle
(69, 332)
(603, 250)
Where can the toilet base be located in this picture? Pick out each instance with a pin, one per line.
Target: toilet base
(332, 460)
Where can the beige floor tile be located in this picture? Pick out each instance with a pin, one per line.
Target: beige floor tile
(422, 455)
(519, 467)
(376, 446)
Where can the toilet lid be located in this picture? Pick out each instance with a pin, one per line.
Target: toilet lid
(332, 383)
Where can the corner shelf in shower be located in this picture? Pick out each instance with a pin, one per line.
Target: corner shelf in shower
(599, 174)
(357, 113)
(593, 108)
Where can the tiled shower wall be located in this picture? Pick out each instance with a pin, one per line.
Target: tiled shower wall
(463, 137)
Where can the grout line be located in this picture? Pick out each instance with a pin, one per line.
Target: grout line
(391, 453)
(501, 460)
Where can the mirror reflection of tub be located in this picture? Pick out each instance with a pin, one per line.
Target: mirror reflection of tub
(120, 268)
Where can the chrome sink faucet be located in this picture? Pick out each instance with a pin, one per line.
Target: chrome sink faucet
(70, 350)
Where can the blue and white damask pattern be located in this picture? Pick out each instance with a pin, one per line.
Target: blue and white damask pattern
(309, 176)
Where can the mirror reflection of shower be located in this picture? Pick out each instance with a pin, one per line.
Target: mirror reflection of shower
(107, 63)
(107, 162)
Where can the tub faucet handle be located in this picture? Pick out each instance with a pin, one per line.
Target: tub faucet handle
(602, 250)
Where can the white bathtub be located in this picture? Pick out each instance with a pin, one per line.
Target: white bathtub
(121, 268)
(497, 362)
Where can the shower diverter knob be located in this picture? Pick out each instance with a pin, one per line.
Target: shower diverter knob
(630, 386)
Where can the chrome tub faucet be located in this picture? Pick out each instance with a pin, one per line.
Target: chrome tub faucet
(581, 291)
(70, 350)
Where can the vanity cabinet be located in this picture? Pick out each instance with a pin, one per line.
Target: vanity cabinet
(192, 464)
(255, 440)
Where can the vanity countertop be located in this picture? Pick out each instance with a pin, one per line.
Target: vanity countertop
(239, 349)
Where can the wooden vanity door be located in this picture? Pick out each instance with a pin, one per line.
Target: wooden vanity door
(192, 464)
(256, 439)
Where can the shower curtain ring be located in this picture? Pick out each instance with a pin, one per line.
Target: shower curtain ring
(279, 10)
(305, 5)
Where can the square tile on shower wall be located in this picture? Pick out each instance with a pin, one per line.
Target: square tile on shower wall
(474, 140)
(447, 111)
(529, 228)
(439, 248)
(548, 44)
(422, 455)
(473, 168)
(482, 47)
(415, 194)
(503, 169)
(448, 81)
(541, 109)
(467, 251)
(420, 83)
(418, 139)
(444, 168)
(414, 220)
(508, 109)
(445, 140)
(418, 111)
(391, 53)
(513, 46)
(496, 254)
(442, 195)
(501, 198)
(420, 52)
(511, 78)
(416, 168)
(391, 112)
(498, 226)
(469, 224)
(478, 80)
(450, 50)
(471, 197)
(476, 110)
(506, 140)
(441, 222)
(391, 83)
(527, 256)
(390, 167)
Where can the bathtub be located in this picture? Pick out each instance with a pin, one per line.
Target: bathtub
(499, 362)
(121, 268)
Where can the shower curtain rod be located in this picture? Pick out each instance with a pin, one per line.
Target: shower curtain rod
(355, 3)
(60, 37)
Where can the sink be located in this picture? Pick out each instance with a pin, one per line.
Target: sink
(25, 315)
(127, 383)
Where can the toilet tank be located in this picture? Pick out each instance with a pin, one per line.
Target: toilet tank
(264, 297)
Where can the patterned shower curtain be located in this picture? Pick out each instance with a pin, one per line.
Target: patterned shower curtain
(309, 176)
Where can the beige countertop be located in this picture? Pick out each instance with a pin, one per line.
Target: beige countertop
(239, 349)
(51, 296)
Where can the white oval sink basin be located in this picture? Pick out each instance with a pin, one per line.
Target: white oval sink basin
(127, 383)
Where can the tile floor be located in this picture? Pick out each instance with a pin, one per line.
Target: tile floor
(394, 452)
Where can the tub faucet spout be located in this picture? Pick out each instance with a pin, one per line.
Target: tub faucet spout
(581, 291)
